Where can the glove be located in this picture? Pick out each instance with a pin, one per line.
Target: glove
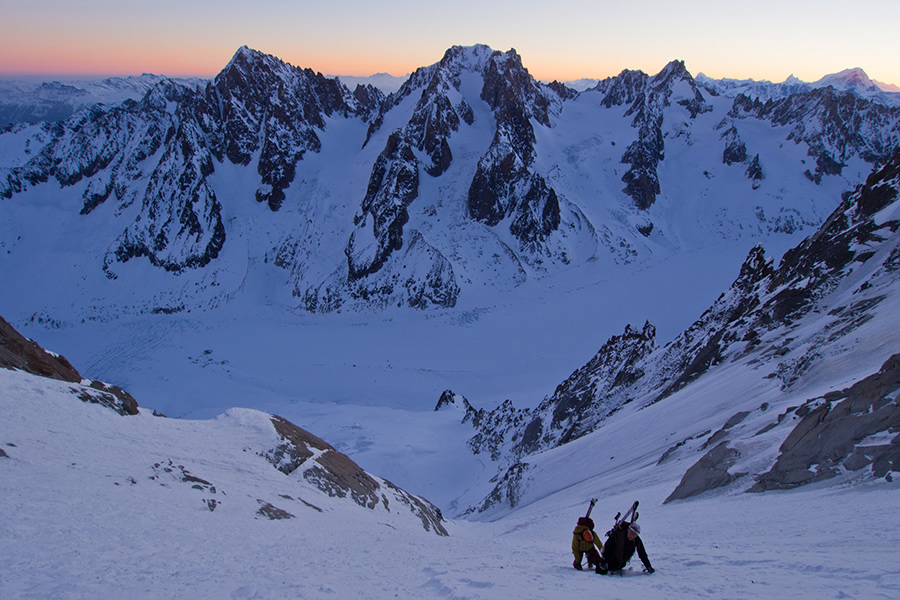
(649, 570)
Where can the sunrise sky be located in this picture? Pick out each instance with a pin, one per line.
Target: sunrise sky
(557, 39)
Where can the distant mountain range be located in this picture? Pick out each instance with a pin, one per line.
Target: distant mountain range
(471, 175)
(33, 102)
(854, 81)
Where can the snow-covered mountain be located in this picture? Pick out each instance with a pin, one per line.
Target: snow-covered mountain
(385, 82)
(471, 177)
(32, 102)
(98, 504)
(854, 81)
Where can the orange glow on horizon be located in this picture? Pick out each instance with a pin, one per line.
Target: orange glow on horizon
(573, 40)
(208, 61)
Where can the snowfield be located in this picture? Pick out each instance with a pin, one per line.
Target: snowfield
(88, 514)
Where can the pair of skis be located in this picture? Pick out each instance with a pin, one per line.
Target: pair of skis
(631, 514)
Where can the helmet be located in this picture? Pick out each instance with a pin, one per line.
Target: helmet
(635, 528)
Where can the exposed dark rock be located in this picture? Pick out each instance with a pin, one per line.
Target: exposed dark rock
(369, 100)
(337, 476)
(257, 106)
(430, 515)
(180, 225)
(394, 183)
(507, 491)
(616, 365)
(762, 303)
(259, 103)
(496, 429)
(111, 396)
(755, 171)
(504, 186)
(836, 125)
(334, 473)
(168, 472)
(644, 154)
(573, 411)
(648, 97)
(708, 473)
(447, 398)
(833, 431)
(273, 513)
(562, 90)
(625, 88)
(721, 433)
(19, 353)
(505, 183)
(735, 149)
(668, 453)
(159, 153)
(821, 258)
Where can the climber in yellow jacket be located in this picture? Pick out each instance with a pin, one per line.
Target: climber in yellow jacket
(586, 541)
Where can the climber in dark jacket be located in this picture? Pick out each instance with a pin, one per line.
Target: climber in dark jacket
(620, 547)
(585, 541)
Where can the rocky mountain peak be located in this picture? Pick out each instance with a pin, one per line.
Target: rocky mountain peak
(647, 99)
(472, 58)
(508, 86)
(848, 80)
(674, 71)
(757, 266)
(623, 88)
(259, 102)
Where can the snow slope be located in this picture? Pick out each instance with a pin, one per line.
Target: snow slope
(91, 511)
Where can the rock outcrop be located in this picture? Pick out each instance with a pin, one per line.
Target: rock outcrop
(318, 463)
(847, 431)
(21, 354)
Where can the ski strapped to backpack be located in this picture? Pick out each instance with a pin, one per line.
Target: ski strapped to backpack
(587, 535)
(590, 508)
(631, 514)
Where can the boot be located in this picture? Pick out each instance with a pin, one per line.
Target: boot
(577, 564)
